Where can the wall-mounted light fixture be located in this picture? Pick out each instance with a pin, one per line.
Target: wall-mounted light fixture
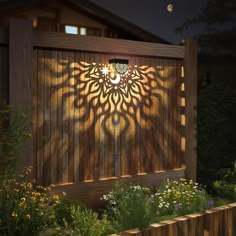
(120, 66)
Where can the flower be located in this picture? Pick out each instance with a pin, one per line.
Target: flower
(23, 199)
(14, 214)
(28, 216)
(210, 203)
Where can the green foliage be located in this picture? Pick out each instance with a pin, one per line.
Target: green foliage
(72, 218)
(130, 207)
(137, 207)
(13, 136)
(25, 209)
(226, 187)
(216, 129)
(180, 197)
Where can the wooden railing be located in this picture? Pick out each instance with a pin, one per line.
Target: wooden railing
(220, 221)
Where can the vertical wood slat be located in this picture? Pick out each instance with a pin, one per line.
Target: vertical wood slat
(21, 73)
(65, 117)
(35, 112)
(190, 77)
(54, 137)
(48, 74)
(71, 120)
(76, 128)
(39, 125)
(60, 68)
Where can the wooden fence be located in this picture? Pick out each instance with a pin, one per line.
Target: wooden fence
(88, 130)
(220, 221)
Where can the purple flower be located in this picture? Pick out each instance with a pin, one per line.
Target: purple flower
(177, 206)
(210, 203)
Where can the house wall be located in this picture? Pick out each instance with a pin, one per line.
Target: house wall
(55, 17)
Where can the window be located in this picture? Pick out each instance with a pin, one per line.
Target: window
(69, 29)
(83, 31)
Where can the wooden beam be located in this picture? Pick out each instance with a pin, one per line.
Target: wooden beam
(21, 71)
(105, 45)
(90, 193)
(190, 78)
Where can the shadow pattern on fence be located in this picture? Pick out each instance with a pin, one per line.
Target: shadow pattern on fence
(88, 127)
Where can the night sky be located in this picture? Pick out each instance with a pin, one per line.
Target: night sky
(152, 15)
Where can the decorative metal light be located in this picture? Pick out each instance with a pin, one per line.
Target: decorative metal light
(120, 66)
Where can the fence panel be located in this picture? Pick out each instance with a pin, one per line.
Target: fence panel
(89, 127)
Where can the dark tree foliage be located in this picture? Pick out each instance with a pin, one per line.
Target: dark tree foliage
(216, 130)
(216, 109)
(219, 20)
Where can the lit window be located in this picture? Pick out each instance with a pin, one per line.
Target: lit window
(83, 31)
(69, 29)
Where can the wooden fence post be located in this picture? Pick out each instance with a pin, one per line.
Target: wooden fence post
(191, 78)
(21, 73)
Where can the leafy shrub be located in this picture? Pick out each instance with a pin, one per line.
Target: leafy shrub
(72, 218)
(13, 136)
(25, 209)
(180, 197)
(130, 206)
(226, 187)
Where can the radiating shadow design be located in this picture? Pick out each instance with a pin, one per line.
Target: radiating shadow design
(116, 107)
(100, 126)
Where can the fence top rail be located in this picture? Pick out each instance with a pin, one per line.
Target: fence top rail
(106, 45)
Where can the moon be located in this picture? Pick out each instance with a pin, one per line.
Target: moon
(170, 7)
(116, 80)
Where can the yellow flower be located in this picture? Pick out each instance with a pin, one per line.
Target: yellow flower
(42, 199)
(33, 199)
(56, 197)
(29, 185)
(14, 214)
(28, 216)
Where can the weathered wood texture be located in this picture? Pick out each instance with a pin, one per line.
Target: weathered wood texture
(190, 79)
(21, 72)
(220, 221)
(88, 129)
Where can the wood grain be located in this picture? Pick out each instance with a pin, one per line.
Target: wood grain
(190, 78)
(96, 44)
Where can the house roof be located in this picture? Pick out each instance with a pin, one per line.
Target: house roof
(102, 15)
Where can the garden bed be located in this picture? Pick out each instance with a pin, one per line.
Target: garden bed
(219, 221)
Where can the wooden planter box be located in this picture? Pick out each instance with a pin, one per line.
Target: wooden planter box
(220, 221)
